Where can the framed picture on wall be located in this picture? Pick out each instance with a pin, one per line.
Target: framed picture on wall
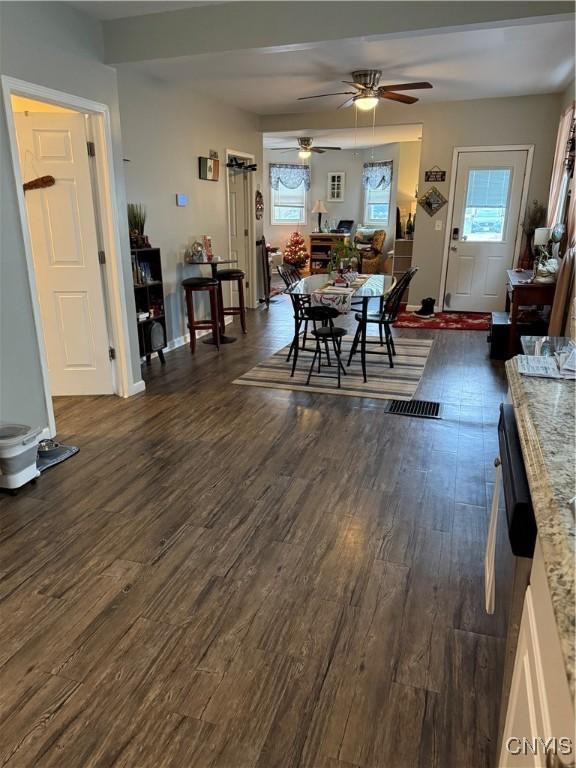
(208, 168)
(336, 185)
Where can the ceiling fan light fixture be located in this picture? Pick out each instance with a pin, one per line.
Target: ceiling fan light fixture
(304, 154)
(366, 103)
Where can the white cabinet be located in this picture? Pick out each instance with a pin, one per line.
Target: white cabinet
(540, 707)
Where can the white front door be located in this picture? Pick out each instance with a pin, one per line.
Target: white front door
(65, 250)
(238, 207)
(484, 228)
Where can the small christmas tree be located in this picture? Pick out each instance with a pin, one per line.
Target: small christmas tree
(295, 250)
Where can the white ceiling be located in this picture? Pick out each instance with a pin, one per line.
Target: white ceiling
(462, 64)
(347, 138)
(106, 10)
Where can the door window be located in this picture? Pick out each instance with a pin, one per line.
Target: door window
(487, 194)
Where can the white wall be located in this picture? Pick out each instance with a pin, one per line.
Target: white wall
(404, 156)
(163, 154)
(491, 122)
(408, 172)
(53, 45)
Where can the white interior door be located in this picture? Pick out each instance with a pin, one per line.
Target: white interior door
(239, 225)
(65, 250)
(485, 220)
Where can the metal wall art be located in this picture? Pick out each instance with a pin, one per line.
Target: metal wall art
(432, 201)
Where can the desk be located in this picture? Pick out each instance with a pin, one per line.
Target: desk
(521, 292)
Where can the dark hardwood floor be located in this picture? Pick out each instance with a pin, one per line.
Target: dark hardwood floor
(233, 577)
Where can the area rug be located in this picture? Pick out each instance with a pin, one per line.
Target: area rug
(384, 383)
(448, 321)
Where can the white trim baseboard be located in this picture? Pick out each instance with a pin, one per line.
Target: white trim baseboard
(181, 341)
(135, 388)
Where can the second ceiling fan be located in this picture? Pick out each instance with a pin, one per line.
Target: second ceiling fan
(368, 93)
(305, 147)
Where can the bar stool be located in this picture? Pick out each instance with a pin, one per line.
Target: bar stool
(194, 285)
(228, 276)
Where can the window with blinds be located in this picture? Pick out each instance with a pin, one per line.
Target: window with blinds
(377, 205)
(288, 206)
(487, 193)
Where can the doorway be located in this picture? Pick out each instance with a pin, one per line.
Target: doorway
(81, 213)
(240, 228)
(483, 234)
(52, 143)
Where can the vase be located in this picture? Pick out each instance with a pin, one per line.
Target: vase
(526, 260)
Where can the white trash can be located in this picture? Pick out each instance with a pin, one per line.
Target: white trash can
(18, 452)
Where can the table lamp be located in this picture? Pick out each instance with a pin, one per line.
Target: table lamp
(319, 208)
(542, 235)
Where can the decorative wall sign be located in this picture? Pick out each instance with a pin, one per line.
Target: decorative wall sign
(435, 174)
(336, 185)
(208, 169)
(432, 201)
(259, 205)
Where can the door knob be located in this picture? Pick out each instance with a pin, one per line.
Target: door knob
(453, 248)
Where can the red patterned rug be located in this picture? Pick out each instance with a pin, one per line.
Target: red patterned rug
(453, 321)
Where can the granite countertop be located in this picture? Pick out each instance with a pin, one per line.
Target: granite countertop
(545, 415)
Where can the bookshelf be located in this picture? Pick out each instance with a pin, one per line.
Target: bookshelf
(149, 299)
(321, 243)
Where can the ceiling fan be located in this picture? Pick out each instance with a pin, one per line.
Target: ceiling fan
(368, 93)
(306, 148)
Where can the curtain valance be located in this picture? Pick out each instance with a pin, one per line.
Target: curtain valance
(289, 175)
(377, 174)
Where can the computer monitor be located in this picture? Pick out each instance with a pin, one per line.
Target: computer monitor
(345, 225)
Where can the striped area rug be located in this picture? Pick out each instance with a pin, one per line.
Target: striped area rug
(384, 383)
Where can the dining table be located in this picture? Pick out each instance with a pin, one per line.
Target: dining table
(214, 262)
(320, 290)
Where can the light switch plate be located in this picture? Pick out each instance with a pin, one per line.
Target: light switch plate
(438, 225)
(181, 200)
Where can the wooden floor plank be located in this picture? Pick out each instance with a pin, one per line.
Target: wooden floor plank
(232, 577)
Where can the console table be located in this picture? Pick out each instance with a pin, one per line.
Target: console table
(521, 292)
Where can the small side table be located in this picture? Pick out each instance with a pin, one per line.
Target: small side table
(521, 292)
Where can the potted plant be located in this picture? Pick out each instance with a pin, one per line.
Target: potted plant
(345, 254)
(136, 224)
(534, 219)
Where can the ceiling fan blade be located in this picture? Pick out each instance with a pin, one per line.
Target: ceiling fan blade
(347, 103)
(322, 95)
(326, 148)
(318, 150)
(405, 87)
(283, 149)
(399, 97)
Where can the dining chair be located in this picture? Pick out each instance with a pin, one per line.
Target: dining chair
(327, 332)
(385, 317)
(289, 274)
(304, 313)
